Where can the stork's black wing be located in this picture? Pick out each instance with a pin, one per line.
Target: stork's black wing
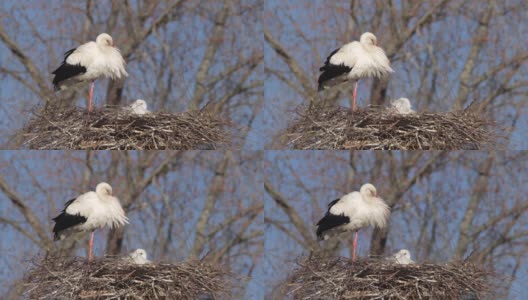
(65, 70)
(331, 71)
(330, 220)
(64, 221)
(327, 61)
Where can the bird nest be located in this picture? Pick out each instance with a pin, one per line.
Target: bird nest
(114, 278)
(115, 129)
(380, 129)
(339, 278)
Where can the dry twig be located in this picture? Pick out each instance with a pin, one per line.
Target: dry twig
(114, 129)
(379, 129)
(339, 278)
(114, 278)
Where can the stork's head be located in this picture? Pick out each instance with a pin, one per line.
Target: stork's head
(103, 188)
(402, 105)
(139, 253)
(140, 103)
(368, 190)
(104, 39)
(403, 253)
(368, 38)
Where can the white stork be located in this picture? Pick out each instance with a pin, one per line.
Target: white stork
(89, 62)
(88, 212)
(138, 107)
(352, 212)
(402, 257)
(138, 257)
(354, 61)
(402, 106)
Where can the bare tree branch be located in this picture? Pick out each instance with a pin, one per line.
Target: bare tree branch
(215, 189)
(212, 47)
(292, 64)
(27, 212)
(302, 228)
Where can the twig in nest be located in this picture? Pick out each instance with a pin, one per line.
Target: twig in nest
(378, 129)
(116, 129)
(114, 278)
(322, 277)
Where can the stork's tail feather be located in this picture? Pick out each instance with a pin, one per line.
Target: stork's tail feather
(330, 73)
(66, 71)
(65, 221)
(330, 221)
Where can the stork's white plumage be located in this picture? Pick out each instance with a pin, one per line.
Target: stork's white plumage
(138, 257)
(138, 107)
(352, 212)
(354, 61)
(402, 106)
(88, 212)
(402, 257)
(89, 62)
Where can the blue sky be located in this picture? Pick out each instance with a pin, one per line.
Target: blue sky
(324, 174)
(186, 188)
(310, 31)
(277, 112)
(184, 41)
(323, 34)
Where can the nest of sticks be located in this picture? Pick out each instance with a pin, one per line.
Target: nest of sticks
(376, 128)
(114, 278)
(116, 129)
(339, 278)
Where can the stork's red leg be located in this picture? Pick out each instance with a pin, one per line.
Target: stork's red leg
(355, 93)
(90, 247)
(91, 96)
(354, 246)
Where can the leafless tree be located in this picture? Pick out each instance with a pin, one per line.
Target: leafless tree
(181, 55)
(182, 205)
(447, 55)
(445, 205)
